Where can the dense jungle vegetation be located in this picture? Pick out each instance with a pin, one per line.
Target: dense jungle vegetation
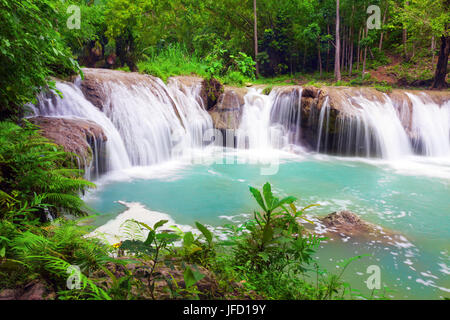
(284, 41)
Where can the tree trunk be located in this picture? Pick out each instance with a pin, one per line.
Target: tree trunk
(351, 52)
(365, 55)
(328, 50)
(380, 45)
(319, 56)
(441, 68)
(359, 48)
(256, 37)
(433, 48)
(343, 50)
(337, 59)
(405, 38)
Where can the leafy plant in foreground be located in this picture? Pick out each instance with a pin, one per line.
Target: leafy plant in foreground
(37, 178)
(275, 238)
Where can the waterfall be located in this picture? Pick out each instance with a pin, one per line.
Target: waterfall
(146, 122)
(431, 123)
(270, 121)
(75, 105)
(324, 124)
(373, 129)
(366, 124)
(156, 122)
(254, 132)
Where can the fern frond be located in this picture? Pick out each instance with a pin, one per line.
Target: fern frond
(59, 267)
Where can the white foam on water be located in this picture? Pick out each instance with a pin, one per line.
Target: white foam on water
(112, 232)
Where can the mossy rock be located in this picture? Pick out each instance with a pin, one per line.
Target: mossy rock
(212, 89)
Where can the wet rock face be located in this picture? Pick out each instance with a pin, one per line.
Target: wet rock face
(74, 135)
(93, 84)
(212, 89)
(227, 113)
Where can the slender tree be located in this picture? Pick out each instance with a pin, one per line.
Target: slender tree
(442, 65)
(255, 15)
(337, 59)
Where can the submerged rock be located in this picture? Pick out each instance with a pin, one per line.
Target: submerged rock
(347, 225)
(74, 135)
(346, 222)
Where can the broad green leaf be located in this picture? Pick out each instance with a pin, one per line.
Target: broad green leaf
(258, 198)
(188, 239)
(167, 237)
(287, 200)
(268, 196)
(160, 224)
(144, 225)
(191, 277)
(205, 232)
(195, 249)
(150, 238)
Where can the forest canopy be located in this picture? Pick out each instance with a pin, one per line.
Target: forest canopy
(39, 39)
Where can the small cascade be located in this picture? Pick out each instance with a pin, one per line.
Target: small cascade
(270, 121)
(361, 122)
(253, 132)
(324, 125)
(191, 110)
(431, 123)
(285, 118)
(156, 122)
(146, 122)
(98, 165)
(75, 105)
(373, 129)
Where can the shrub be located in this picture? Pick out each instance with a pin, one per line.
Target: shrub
(37, 178)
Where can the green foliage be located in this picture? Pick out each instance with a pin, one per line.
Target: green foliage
(244, 64)
(384, 88)
(31, 50)
(171, 61)
(36, 177)
(49, 252)
(275, 240)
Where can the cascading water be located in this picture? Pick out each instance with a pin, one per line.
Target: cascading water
(270, 121)
(75, 105)
(146, 122)
(431, 123)
(369, 127)
(373, 129)
(156, 122)
(253, 132)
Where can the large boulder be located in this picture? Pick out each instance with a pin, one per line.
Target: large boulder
(227, 113)
(76, 136)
